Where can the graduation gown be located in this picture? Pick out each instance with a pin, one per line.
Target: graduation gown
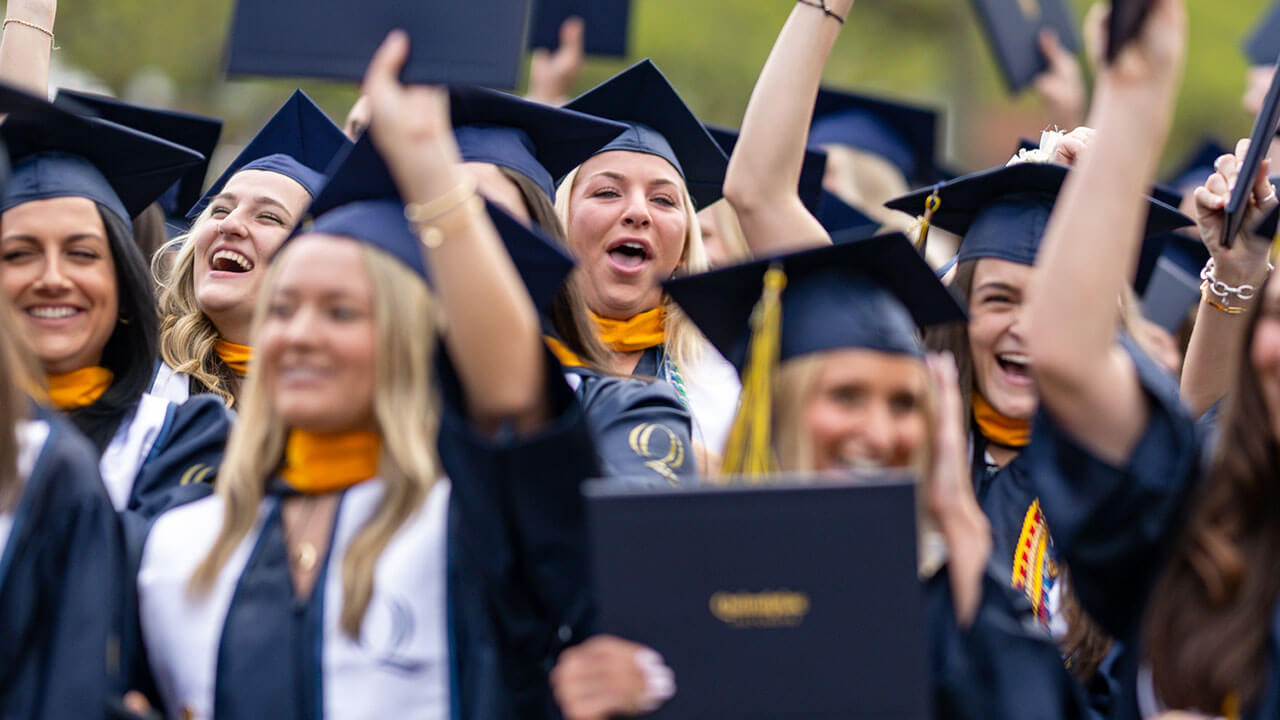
(164, 445)
(1116, 526)
(641, 428)
(474, 597)
(709, 390)
(61, 581)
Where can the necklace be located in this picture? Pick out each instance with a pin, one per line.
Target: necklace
(303, 554)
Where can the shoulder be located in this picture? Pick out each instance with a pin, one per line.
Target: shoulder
(67, 462)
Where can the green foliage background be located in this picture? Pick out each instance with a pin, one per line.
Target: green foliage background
(930, 51)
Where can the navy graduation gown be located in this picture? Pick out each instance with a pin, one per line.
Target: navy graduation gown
(61, 584)
(641, 429)
(1117, 525)
(516, 582)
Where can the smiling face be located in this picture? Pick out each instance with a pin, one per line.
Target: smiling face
(866, 409)
(1001, 368)
(57, 271)
(316, 344)
(246, 224)
(627, 230)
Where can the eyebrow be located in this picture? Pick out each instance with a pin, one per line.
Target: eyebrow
(997, 285)
(620, 178)
(260, 200)
(66, 240)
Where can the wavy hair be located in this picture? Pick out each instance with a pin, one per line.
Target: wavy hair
(1208, 623)
(19, 375)
(187, 335)
(406, 408)
(684, 342)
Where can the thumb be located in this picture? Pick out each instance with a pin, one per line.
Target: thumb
(383, 72)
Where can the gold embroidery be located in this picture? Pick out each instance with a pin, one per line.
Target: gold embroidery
(640, 439)
(780, 608)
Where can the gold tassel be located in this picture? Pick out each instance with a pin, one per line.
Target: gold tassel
(750, 448)
(931, 206)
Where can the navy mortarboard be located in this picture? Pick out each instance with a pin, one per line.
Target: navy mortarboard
(659, 124)
(59, 153)
(606, 24)
(478, 42)
(811, 171)
(361, 201)
(870, 293)
(1174, 286)
(837, 216)
(1002, 213)
(541, 142)
(1013, 29)
(1262, 47)
(197, 132)
(905, 135)
(299, 142)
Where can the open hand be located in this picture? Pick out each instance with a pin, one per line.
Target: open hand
(552, 74)
(1245, 262)
(606, 676)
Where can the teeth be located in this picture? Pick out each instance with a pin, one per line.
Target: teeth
(235, 257)
(1015, 358)
(60, 311)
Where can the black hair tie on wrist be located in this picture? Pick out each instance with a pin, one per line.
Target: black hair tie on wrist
(822, 5)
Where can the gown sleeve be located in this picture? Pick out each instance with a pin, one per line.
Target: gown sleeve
(189, 450)
(1112, 525)
(641, 429)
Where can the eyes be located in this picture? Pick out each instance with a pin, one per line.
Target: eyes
(333, 311)
(27, 252)
(662, 198)
(859, 397)
(222, 211)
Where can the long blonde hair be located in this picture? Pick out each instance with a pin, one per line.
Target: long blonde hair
(187, 335)
(19, 375)
(406, 408)
(684, 342)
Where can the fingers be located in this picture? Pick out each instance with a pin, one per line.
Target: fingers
(383, 73)
(571, 33)
(1212, 196)
(1262, 190)
(1050, 46)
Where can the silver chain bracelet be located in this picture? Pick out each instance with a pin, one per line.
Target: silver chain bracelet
(1243, 293)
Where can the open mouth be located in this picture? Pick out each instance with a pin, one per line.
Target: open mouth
(629, 254)
(230, 261)
(1015, 365)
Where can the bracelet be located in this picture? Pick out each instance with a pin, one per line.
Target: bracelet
(420, 215)
(31, 25)
(432, 236)
(1223, 290)
(659, 680)
(822, 5)
(1228, 309)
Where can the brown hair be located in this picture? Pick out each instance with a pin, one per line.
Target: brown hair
(568, 312)
(1208, 623)
(1085, 645)
(150, 232)
(19, 374)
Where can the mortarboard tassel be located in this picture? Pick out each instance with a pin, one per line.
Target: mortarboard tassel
(750, 447)
(931, 206)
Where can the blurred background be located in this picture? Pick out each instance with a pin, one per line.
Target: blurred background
(932, 52)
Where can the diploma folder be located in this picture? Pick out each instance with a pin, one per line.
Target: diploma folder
(462, 42)
(1013, 28)
(786, 601)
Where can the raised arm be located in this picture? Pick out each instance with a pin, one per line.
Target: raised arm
(1086, 380)
(764, 172)
(1216, 340)
(26, 44)
(492, 331)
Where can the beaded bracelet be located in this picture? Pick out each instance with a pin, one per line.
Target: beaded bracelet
(822, 5)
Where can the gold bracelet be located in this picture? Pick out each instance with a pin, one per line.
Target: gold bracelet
(431, 235)
(31, 25)
(420, 213)
(1228, 309)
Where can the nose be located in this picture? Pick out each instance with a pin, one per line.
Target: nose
(876, 436)
(52, 279)
(232, 225)
(636, 214)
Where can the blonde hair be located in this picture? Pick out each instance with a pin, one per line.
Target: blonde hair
(867, 181)
(731, 235)
(406, 409)
(20, 374)
(187, 335)
(684, 342)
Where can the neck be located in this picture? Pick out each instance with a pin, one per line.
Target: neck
(1002, 455)
(624, 363)
(232, 325)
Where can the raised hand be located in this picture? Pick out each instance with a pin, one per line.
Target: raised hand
(607, 677)
(1245, 262)
(1061, 86)
(552, 74)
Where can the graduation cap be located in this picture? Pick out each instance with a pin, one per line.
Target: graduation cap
(197, 132)
(539, 141)
(299, 142)
(361, 201)
(1013, 29)
(1002, 213)
(905, 135)
(812, 170)
(661, 124)
(605, 24)
(1173, 287)
(477, 42)
(1264, 129)
(869, 293)
(1262, 47)
(838, 216)
(56, 152)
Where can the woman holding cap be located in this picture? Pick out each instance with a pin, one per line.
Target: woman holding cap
(70, 268)
(1163, 544)
(208, 294)
(396, 531)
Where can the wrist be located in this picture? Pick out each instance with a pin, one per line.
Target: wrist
(40, 12)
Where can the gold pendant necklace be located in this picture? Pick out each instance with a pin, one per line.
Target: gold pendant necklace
(304, 557)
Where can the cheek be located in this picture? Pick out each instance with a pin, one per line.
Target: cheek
(672, 228)
(586, 224)
(911, 434)
(828, 422)
(267, 241)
